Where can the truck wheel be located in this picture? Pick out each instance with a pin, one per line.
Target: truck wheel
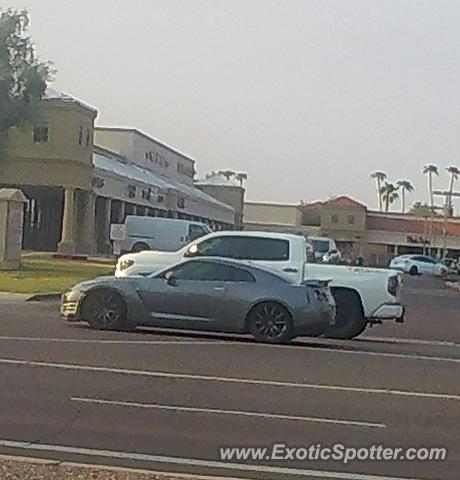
(139, 247)
(350, 321)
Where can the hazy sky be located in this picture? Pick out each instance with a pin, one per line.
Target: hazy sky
(308, 97)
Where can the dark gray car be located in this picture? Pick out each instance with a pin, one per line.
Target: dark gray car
(205, 294)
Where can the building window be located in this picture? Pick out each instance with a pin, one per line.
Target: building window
(41, 134)
(351, 219)
(181, 202)
(335, 218)
(160, 198)
(88, 138)
(80, 136)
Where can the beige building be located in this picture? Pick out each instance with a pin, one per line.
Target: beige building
(228, 191)
(78, 179)
(376, 236)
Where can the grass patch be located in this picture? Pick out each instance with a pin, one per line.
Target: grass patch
(51, 275)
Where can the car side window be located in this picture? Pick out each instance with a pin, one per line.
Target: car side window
(211, 272)
(216, 247)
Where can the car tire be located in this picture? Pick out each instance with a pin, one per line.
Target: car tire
(413, 270)
(105, 309)
(270, 322)
(139, 247)
(349, 321)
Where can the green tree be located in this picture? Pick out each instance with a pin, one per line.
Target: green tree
(454, 173)
(379, 177)
(241, 177)
(227, 173)
(23, 77)
(430, 170)
(389, 193)
(422, 210)
(405, 186)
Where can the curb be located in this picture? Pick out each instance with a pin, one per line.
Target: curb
(454, 285)
(44, 297)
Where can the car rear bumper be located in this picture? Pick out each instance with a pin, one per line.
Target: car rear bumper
(389, 311)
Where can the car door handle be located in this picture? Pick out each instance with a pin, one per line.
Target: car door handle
(290, 270)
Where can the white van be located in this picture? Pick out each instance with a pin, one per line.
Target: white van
(324, 249)
(158, 233)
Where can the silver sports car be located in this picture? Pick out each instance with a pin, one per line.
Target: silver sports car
(205, 294)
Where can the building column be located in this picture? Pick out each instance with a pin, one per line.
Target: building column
(87, 225)
(104, 207)
(68, 243)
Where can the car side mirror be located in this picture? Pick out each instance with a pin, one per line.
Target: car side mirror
(192, 251)
(171, 279)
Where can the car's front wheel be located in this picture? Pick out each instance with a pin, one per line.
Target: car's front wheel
(270, 322)
(104, 309)
(349, 321)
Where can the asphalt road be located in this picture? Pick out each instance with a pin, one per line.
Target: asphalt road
(168, 401)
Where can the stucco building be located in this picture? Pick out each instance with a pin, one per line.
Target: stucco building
(79, 178)
(358, 231)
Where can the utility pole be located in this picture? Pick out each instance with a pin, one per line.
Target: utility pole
(447, 205)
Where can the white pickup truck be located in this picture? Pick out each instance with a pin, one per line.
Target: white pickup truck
(364, 296)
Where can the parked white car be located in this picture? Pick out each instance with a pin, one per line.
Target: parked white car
(363, 295)
(418, 264)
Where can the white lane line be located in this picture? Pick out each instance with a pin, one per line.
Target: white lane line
(408, 341)
(193, 462)
(241, 413)
(312, 347)
(212, 378)
(110, 342)
(110, 468)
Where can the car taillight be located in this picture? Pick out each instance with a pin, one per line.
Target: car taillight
(124, 264)
(393, 285)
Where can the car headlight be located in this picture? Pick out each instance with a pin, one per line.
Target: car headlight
(123, 264)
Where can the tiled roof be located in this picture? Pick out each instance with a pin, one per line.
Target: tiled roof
(344, 201)
(411, 225)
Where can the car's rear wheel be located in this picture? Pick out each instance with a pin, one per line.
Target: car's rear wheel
(139, 247)
(104, 309)
(349, 321)
(270, 322)
(413, 270)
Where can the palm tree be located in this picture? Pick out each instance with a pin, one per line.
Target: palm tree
(389, 193)
(227, 173)
(405, 186)
(241, 177)
(454, 173)
(430, 170)
(379, 177)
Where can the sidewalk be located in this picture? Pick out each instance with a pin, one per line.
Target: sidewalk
(20, 468)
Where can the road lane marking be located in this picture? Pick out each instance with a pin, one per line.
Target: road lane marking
(111, 468)
(194, 462)
(242, 413)
(110, 342)
(212, 378)
(222, 342)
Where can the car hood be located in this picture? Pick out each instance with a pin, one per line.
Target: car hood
(108, 280)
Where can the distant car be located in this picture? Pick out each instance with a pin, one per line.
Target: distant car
(418, 264)
(324, 249)
(159, 233)
(206, 294)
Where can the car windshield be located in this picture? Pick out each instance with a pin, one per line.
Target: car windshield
(321, 246)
